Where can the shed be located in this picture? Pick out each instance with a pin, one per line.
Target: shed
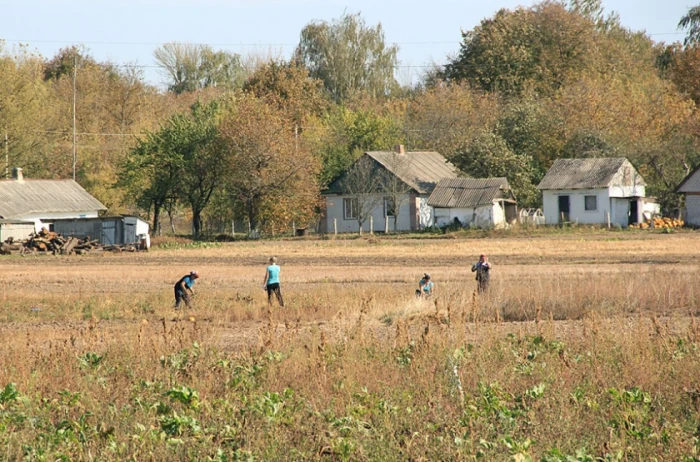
(474, 202)
(16, 229)
(39, 201)
(406, 178)
(690, 186)
(591, 191)
(109, 230)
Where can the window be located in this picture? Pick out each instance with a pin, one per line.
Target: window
(590, 203)
(350, 209)
(389, 207)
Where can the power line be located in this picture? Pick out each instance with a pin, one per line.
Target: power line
(247, 44)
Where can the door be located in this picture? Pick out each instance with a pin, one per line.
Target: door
(109, 232)
(563, 208)
(633, 212)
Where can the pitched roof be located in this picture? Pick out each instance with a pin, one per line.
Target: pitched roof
(591, 173)
(691, 183)
(420, 170)
(469, 192)
(19, 198)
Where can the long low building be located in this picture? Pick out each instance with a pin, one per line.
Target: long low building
(42, 201)
(473, 202)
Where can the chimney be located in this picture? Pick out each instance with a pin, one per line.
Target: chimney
(399, 149)
(17, 175)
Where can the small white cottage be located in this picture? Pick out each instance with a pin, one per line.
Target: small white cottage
(589, 191)
(473, 202)
(384, 190)
(690, 186)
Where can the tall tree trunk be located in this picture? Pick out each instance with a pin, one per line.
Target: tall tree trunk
(196, 222)
(252, 215)
(156, 217)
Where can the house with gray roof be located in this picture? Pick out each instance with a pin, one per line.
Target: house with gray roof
(690, 187)
(593, 191)
(473, 202)
(41, 201)
(385, 191)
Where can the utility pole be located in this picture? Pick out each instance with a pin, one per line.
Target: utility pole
(7, 156)
(75, 76)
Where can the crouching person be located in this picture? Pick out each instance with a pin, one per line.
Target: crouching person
(182, 287)
(425, 287)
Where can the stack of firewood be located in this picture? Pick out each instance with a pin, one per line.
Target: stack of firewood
(48, 242)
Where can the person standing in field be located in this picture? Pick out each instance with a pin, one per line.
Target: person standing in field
(272, 282)
(425, 287)
(185, 284)
(482, 269)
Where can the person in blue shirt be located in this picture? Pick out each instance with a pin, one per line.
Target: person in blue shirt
(425, 287)
(184, 285)
(272, 282)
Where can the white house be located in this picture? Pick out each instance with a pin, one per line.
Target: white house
(690, 186)
(473, 202)
(41, 201)
(588, 191)
(385, 187)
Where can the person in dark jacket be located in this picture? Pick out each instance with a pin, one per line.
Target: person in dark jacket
(182, 287)
(482, 269)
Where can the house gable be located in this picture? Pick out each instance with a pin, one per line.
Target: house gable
(418, 172)
(592, 173)
(691, 183)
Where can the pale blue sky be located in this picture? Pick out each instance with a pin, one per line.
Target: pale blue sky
(128, 31)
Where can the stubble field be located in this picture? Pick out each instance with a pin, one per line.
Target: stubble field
(586, 348)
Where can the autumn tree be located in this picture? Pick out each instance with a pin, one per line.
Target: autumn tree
(290, 88)
(445, 118)
(348, 57)
(23, 115)
(273, 176)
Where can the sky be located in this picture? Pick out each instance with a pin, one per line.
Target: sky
(127, 31)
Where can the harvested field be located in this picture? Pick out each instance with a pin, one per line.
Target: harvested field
(570, 352)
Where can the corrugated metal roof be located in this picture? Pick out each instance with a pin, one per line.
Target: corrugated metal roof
(469, 192)
(18, 198)
(591, 174)
(420, 170)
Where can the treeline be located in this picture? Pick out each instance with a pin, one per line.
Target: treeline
(256, 140)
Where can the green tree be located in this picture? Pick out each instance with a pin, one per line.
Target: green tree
(178, 162)
(191, 67)
(488, 155)
(691, 21)
(348, 57)
(346, 134)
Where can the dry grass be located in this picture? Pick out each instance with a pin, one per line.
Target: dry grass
(355, 368)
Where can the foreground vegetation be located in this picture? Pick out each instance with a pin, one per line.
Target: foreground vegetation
(587, 348)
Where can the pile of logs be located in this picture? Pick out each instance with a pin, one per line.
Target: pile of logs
(48, 242)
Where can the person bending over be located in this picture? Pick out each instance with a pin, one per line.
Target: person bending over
(425, 287)
(182, 287)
